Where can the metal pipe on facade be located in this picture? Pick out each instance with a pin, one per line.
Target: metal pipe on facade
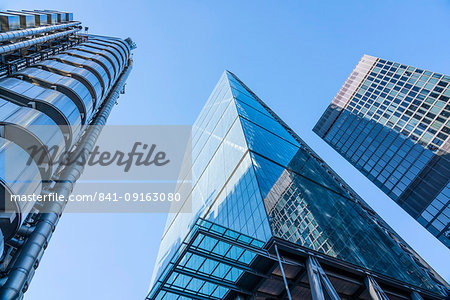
(25, 231)
(375, 291)
(320, 286)
(31, 42)
(28, 259)
(10, 35)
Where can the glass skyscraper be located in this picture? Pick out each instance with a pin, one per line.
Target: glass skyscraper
(391, 121)
(270, 220)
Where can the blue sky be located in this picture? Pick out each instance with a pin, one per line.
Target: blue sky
(295, 55)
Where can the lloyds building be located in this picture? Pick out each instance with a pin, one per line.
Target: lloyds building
(55, 81)
(391, 121)
(271, 220)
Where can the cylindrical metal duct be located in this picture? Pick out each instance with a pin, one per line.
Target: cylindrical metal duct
(7, 36)
(31, 42)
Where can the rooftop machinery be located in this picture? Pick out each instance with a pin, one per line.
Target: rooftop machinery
(54, 81)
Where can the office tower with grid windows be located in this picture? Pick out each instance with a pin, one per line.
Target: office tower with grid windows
(391, 121)
(270, 220)
(55, 81)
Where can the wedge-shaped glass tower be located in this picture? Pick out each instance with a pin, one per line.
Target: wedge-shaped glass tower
(270, 220)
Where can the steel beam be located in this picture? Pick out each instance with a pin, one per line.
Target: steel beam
(375, 291)
(321, 287)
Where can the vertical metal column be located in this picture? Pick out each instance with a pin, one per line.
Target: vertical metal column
(282, 272)
(319, 282)
(375, 291)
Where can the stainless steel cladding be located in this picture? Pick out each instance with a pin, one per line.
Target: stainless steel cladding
(9, 22)
(60, 16)
(63, 16)
(45, 106)
(54, 82)
(39, 18)
(26, 20)
(124, 45)
(52, 17)
(90, 65)
(102, 61)
(53, 103)
(118, 51)
(32, 130)
(69, 16)
(84, 75)
(67, 88)
(71, 87)
(112, 54)
(21, 177)
(7, 36)
(35, 41)
(106, 54)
